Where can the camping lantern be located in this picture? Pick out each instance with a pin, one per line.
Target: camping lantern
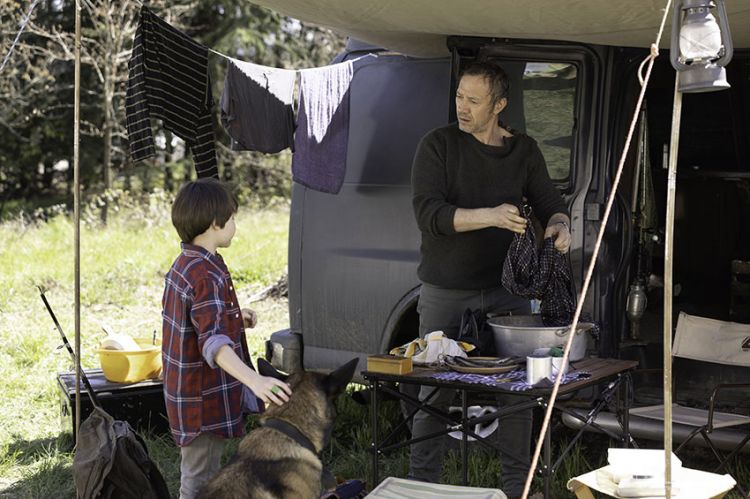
(701, 47)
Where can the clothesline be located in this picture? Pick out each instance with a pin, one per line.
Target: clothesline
(169, 79)
(229, 57)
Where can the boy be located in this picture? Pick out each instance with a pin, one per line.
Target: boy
(207, 381)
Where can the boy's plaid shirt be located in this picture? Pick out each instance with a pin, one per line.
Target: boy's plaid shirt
(199, 301)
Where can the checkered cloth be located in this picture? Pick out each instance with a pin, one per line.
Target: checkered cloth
(543, 275)
(514, 381)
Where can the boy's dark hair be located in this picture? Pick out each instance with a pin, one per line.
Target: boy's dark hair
(199, 204)
(495, 75)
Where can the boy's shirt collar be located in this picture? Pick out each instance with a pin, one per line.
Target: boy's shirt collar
(188, 248)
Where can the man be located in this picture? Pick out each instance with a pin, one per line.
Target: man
(469, 179)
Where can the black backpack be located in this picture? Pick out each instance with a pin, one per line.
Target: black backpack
(111, 461)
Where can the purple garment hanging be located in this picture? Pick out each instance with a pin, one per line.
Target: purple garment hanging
(321, 139)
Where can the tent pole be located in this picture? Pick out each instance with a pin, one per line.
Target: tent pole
(77, 212)
(668, 285)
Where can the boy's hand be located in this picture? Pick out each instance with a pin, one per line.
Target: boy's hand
(270, 389)
(249, 318)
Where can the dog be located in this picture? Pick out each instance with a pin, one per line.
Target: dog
(280, 460)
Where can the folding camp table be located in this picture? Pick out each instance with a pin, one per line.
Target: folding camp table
(614, 372)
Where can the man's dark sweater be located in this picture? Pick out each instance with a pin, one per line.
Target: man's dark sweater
(451, 170)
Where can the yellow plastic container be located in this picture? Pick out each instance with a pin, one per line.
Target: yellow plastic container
(131, 366)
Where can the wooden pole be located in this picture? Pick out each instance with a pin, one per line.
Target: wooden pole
(107, 139)
(668, 286)
(77, 212)
(110, 72)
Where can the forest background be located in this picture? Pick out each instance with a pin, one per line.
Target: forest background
(36, 96)
(127, 242)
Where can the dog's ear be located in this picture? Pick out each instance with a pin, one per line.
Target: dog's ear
(266, 369)
(338, 379)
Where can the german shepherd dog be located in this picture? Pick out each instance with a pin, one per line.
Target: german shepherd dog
(280, 459)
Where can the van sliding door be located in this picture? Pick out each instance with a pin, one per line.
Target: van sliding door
(353, 256)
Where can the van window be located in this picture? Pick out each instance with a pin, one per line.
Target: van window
(542, 104)
(549, 96)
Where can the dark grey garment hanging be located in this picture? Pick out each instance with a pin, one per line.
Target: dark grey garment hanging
(256, 107)
(543, 275)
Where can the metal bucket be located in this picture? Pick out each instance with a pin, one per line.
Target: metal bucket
(520, 335)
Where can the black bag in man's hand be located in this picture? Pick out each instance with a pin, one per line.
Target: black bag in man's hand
(475, 330)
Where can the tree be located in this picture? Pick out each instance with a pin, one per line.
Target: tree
(36, 87)
(31, 89)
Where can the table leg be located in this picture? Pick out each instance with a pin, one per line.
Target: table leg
(374, 446)
(626, 416)
(464, 437)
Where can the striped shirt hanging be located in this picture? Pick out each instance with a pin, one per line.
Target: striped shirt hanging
(168, 79)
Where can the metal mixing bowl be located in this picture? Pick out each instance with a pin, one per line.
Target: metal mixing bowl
(520, 335)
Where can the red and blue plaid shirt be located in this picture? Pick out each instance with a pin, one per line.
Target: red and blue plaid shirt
(200, 302)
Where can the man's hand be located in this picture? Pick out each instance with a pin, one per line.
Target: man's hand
(560, 232)
(505, 216)
(249, 318)
(508, 217)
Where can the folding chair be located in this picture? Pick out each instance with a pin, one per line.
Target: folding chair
(709, 340)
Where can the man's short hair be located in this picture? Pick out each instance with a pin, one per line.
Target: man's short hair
(495, 75)
(199, 204)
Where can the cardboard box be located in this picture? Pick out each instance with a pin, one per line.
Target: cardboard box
(389, 364)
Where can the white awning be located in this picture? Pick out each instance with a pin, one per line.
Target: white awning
(419, 27)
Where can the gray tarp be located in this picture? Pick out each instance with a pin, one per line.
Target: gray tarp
(419, 27)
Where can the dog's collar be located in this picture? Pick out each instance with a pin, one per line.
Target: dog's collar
(292, 432)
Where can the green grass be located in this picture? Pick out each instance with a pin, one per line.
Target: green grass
(122, 274)
(122, 268)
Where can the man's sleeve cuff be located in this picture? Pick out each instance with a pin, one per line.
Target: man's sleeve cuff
(444, 220)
